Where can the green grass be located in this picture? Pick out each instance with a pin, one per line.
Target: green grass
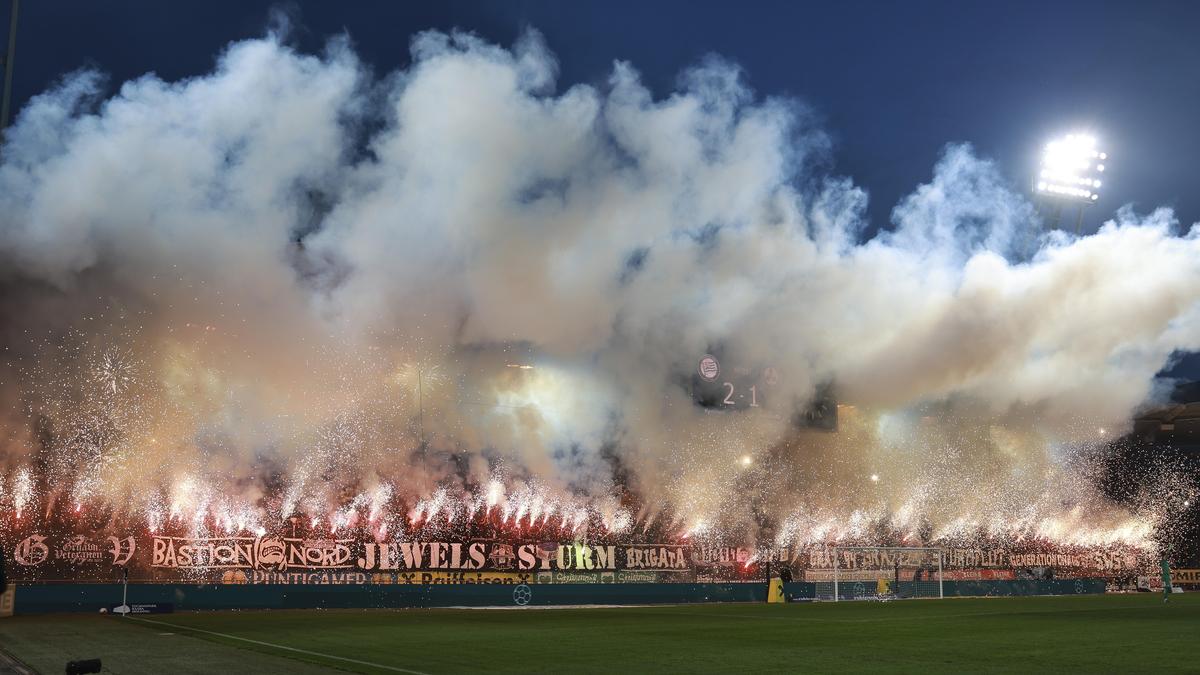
(1131, 633)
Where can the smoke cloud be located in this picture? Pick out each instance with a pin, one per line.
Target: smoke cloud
(291, 287)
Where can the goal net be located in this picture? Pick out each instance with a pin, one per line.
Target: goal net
(878, 573)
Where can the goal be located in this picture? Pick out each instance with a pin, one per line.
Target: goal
(878, 573)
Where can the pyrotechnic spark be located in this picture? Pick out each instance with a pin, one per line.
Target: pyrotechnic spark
(22, 490)
(379, 500)
(465, 274)
(495, 493)
(422, 377)
(113, 372)
(427, 509)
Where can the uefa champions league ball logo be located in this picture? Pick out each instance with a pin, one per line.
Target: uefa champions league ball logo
(522, 594)
(709, 367)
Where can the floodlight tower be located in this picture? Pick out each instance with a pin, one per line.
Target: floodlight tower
(1070, 175)
(7, 60)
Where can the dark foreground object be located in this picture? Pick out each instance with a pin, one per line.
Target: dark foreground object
(1129, 633)
(83, 667)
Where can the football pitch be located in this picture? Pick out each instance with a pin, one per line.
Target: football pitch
(1127, 633)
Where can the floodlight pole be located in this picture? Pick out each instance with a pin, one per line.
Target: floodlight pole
(6, 105)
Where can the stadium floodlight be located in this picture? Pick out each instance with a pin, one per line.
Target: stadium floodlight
(1069, 176)
(1070, 168)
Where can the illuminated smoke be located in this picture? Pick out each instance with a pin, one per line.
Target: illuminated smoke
(286, 290)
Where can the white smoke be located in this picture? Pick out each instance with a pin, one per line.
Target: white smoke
(316, 272)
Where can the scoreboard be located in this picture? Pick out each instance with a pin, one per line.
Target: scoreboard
(721, 387)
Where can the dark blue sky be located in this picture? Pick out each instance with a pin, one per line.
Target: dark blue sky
(893, 82)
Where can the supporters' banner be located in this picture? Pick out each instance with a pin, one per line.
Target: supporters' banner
(734, 556)
(354, 559)
(523, 557)
(75, 550)
(907, 574)
(1190, 577)
(659, 558)
(269, 553)
(1099, 560)
(284, 554)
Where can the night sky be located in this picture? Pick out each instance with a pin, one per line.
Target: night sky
(891, 82)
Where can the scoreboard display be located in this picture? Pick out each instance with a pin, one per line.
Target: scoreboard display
(720, 387)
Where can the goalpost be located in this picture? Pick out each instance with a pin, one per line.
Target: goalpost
(880, 573)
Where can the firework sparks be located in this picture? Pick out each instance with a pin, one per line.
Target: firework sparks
(489, 341)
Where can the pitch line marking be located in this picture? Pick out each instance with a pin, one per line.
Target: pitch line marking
(283, 647)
